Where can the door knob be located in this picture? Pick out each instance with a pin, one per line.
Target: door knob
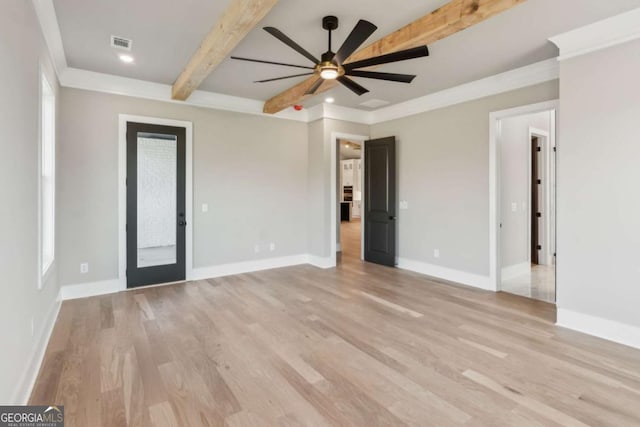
(182, 223)
(391, 218)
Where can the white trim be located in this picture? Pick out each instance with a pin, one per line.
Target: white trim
(597, 326)
(122, 190)
(322, 262)
(116, 85)
(539, 72)
(333, 181)
(338, 246)
(30, 374)
(511, 80)
(48, 20)
(515, 270)
(599, 35)
(494, 179)
(451, 275)
(90, 289)
(247, 266)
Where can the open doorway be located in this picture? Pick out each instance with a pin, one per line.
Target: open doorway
(526, 149)
(350, 198)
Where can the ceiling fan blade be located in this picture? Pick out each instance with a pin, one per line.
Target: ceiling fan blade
(293, 45)
(282, 78)
(403, 55)
(314, 87)
(355, 87)
(359, 34)
(392, 77)
(271, 62)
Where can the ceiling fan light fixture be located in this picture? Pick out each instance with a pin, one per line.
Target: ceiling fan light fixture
(329, 71)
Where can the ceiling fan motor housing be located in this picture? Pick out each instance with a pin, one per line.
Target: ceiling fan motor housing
(330, 23)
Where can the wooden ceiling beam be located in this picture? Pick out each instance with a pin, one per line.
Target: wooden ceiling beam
(451, 18)
(240, 17)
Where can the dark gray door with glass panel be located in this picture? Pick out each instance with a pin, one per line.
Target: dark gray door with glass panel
(156, 221)
(380, 201)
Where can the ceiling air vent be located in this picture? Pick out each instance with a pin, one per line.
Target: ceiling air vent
(121, 43)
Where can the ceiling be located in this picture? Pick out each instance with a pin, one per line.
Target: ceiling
(349, 150)
(166, 33)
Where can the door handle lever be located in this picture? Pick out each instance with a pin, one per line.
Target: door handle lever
(391, 218)
(182, 223)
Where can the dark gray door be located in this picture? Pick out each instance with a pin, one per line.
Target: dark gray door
(380, 201)
(156, 222)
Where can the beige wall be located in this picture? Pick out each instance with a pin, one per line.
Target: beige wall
(251, 170)
(443, 173)
(598, 181)
(321, 193)
(22, 54)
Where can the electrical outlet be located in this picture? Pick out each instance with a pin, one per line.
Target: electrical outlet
(84, 268)
(436, 253)
(272, 246)
(205, 207)
(256, 248)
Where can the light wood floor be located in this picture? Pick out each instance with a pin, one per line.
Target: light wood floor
(359, 345)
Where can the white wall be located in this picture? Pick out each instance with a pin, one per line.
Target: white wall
(250, 170)
(515, 185)
(22, 54)
(443, 174)
(598, 186)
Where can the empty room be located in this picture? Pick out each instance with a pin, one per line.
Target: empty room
(286, 212)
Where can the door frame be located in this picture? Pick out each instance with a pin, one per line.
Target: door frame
(122, 191)
(333, 246)
(495, 180)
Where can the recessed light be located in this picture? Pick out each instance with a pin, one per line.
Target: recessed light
(127, 59)
(329, 100)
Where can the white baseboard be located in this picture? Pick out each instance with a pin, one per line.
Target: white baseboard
(320, 262)
(515, 270)
(28, 379)
(462, 277)
(611, 330)
(247, 267)
(90, 289)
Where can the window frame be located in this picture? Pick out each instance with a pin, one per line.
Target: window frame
(46, 179)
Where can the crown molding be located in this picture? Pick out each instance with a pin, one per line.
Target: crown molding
(529, 75)
(51, 32)
(117, 85)
(599, 35)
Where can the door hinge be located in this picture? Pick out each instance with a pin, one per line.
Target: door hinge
(539, 181)
(538, 149)
(539, 214)
(539, 247)
(554, 149)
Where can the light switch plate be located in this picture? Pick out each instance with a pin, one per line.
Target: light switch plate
(205, 207)
(84, 268)
(514, 207)
(436, 253)
(404, 204)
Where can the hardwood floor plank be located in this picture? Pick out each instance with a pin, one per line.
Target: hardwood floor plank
(360, 344)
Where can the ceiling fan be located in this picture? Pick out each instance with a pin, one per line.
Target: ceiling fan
(331, 66)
